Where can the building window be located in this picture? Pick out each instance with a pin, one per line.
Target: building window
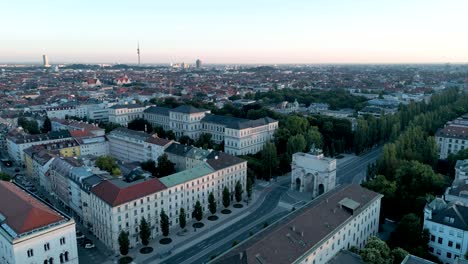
(46, 246)
(432, 238)
(30, 253)
(62, 241)
(449, 255)
(440, 240)
(458, 246)
(450, 244)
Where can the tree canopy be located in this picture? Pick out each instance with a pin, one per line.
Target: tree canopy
(108, 164)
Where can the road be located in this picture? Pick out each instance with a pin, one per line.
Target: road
(355, 170)
(222, 240)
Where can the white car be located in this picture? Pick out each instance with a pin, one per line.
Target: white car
(79, 235)
(89, 245)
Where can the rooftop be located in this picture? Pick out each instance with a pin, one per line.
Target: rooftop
(186, 175)
(451, 131)
(220, 160)
(157, 110)
(116, 191)
(188, 109)
(22, 212)
(122, 106)
(120, 131)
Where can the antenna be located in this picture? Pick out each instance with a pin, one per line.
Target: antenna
(138, 52)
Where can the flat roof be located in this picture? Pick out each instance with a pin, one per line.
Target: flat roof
(186, 175)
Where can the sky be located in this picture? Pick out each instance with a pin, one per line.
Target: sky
(234, 31)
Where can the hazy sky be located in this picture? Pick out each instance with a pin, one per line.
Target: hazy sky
(235, 31)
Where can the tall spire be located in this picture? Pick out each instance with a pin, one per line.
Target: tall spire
(138, 52)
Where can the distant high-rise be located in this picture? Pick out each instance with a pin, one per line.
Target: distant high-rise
(45, 61)
(138, 52)
(198, 63)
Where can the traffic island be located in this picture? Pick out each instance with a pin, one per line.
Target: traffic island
(165, 241)
(213, 217)
(125, 260)
(198, 225)
(146, 250)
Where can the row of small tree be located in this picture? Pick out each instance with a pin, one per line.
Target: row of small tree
(197, 213)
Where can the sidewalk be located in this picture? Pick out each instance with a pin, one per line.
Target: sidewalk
(180, 242)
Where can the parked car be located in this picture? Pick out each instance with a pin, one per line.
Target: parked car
(89, 245)
(85, 241)
(79, 235)
(17, 170)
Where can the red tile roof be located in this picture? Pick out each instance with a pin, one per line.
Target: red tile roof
(80, 134)
(23, 212)
(158, 141)
(117, 192)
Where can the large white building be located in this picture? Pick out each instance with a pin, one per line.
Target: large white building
(117, 205)
(31, 232)
(313, 172)
(344, 217)
(458, 192)
(453, 137)
(448, 228)
(240, 136)
(126, 113)
(135, 146)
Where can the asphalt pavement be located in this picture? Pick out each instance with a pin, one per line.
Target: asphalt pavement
(222, 240)
(355, 170)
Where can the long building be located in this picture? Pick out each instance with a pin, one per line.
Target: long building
(117, 205)
(33, 232)
(240, 136)
(453, 137)
(344, 217)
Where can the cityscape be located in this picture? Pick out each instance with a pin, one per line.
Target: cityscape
(234, 133)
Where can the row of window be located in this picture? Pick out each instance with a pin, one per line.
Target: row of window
(30, 252)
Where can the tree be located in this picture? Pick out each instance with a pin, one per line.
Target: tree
(408, 234)
(108, 164)
(226, 197)
(249, 187)
(150, 165)
(124, 243)
(140, 124)
(313, 138)
(197, 211)
(212, 203)
(4, 177)
(29, 126)
(164, 223)
(269, 160)
(186, 140)
(204, 141)
(47, 126)
(376, 251)
(145, 232)
(296, 143)
(389, 161)
(182, 218)
(165, 166)
(238, 191)
(398, 255)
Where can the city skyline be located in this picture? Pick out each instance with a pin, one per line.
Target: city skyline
(264, 32)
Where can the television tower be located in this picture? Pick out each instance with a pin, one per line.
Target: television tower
(138, 52)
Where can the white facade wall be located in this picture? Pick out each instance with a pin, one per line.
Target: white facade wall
(446, 242)
(249, 140)
(127, 148)
(16, 151)
(354, 232)
(61, 112)
(158, 120)
(450, 145)
(94, 146)
(186, 124)
(123, 116)
(16, 251)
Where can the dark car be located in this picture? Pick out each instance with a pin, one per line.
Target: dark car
(17, 170)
